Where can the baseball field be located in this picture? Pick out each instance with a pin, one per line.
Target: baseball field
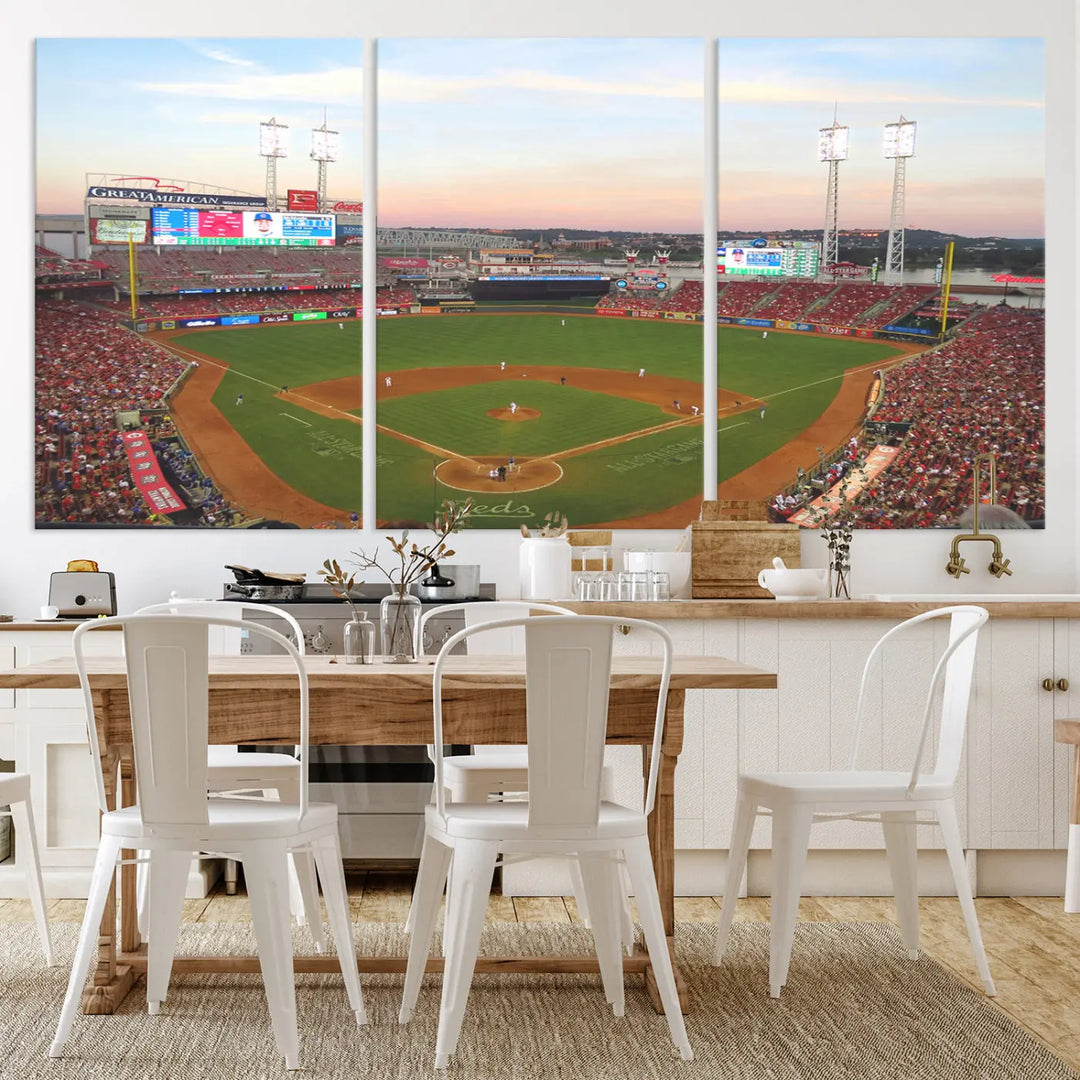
(600, 415)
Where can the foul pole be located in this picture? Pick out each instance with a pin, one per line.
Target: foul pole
(947, 280)
(133, 278)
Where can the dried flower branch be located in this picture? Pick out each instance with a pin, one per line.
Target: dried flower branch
(414, 560)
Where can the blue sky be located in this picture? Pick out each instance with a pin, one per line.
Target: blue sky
(594, 133)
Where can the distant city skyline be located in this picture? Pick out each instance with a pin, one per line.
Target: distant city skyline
(595, 134)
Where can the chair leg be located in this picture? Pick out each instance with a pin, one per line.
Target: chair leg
(790, 839)
(599, 879)
(741, 831)
(301, 887)
(302, 868)
(946, 814)
(643, 879)
(100, 883)
(168, 871)
(577, 886)
(466, 907)
(903, 852)
(427, 896)
(266, 872)
(22, 817)
(327, 855)
(142, 895)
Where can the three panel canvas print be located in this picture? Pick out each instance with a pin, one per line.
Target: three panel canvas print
(544, 284)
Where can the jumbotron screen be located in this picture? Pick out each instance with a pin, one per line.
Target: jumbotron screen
(745, 260)
(187, 227)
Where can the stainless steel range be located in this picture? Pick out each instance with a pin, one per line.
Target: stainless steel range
(380, 791)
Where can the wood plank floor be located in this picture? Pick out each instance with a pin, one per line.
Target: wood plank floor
(1033, 946)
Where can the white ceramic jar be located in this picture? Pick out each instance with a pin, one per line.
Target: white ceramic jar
(544, 568)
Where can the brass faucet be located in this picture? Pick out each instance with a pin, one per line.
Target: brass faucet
(998, 564)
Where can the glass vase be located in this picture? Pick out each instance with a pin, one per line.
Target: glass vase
(399, 618)
(359, 639)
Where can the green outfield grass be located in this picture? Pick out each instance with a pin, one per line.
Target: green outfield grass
(666, 348)
(797, 375)
(457, 419)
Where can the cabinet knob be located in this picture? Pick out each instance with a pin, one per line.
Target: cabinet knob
(1048, 684)
(1063, 684)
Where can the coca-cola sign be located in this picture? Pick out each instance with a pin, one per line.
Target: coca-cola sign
(347, 207)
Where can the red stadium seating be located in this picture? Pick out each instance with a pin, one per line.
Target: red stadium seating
(982, 392)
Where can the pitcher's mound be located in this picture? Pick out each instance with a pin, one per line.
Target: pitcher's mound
(472, 474)
(521, 414)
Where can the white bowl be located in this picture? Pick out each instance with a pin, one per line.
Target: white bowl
(790, 584)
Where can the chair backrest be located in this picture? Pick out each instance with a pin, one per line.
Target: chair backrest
(233, 610)
(168, 659)
(511, 640)
(567, 677)
(955, 670)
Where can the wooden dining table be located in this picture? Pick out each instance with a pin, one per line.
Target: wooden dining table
(254, 700)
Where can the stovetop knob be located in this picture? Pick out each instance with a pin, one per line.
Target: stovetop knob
(320, 643)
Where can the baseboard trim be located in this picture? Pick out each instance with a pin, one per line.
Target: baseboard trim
(842, 872)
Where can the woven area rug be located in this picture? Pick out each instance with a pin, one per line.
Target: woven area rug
(855, 1007)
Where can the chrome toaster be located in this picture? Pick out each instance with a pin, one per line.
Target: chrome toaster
(81, 594)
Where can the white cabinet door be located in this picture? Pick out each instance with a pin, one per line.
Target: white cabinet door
(7, 707)
(1011, 746)
(55, 753)
(720, 735)
(50, 744)
(1066, 706)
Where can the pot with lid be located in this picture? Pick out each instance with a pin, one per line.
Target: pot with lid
(449, 581)
(263, 585)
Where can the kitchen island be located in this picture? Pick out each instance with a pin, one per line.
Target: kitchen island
(1015, 780)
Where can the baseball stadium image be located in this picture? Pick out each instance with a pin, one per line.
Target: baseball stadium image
(199, 350)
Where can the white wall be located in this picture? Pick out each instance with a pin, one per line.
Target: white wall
(148, 564)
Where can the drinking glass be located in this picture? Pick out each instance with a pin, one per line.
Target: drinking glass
(659, 587)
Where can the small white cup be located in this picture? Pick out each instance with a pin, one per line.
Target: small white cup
(50, 611)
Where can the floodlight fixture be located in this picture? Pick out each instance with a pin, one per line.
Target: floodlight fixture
(273, 139)
(833, 143)
(900, 139)
(325, 145)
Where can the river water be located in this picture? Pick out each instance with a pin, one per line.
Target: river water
(961, 278)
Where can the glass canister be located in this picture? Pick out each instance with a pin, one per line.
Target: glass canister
(399, 619)
(359, 639)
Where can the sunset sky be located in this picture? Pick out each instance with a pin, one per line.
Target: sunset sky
(590, 133)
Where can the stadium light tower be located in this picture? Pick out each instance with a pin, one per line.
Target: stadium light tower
(273, 144)
(832, 148)
(899, 145)
(325, 147)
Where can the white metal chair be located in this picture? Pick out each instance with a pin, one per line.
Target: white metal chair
(275, 775)
(797, 800)
(15, 795)
(497, 771)
(567, 674)
(167, 659)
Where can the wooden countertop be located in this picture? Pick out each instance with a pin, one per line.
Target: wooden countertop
(752, 609)
(52, 625)
(817, 609)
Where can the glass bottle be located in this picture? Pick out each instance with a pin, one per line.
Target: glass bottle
(359, 639)
(399, 617)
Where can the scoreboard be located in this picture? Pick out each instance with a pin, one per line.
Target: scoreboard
(188, 227)
(735, 259)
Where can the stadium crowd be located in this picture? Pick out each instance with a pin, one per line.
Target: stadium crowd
(88, 369)
(982, 392)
